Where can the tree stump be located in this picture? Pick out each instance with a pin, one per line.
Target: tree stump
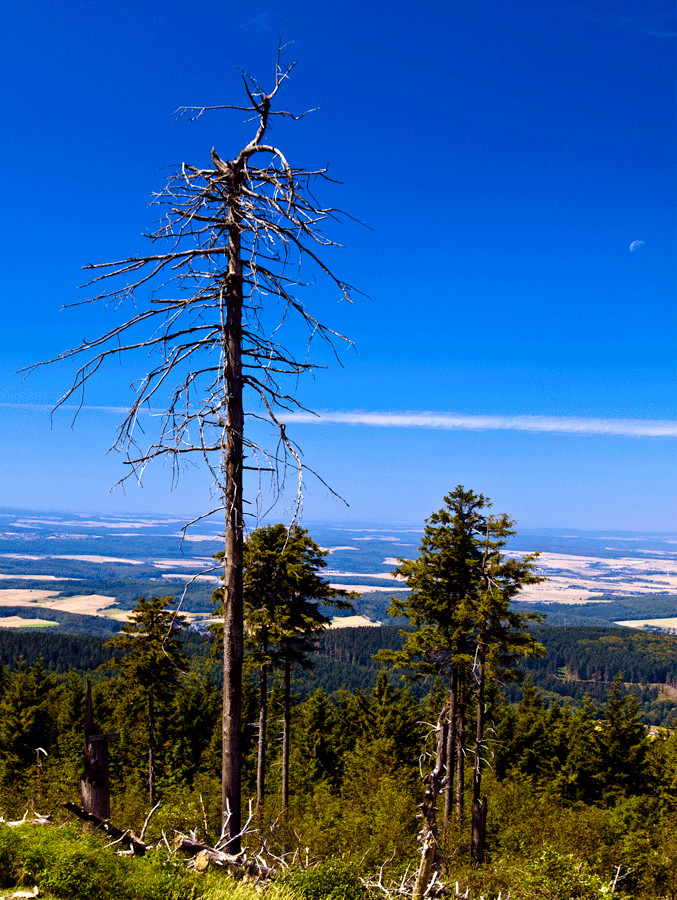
(95, 780)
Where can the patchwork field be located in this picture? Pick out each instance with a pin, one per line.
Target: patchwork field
(96, 567)
(577, 579)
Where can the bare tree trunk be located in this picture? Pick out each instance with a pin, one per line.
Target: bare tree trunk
(460, 754)
(286, 717)
(232, 579)
(479, 808)
(261, 757)
(428, 836)
(451, 751)
(151, 749)
(95, 781)
(478, 838)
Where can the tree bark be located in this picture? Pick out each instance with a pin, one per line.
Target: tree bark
(451, 751)
(95, 780)
(286, 717)
(479, 808)
(261, 756)
(232, 465)
(478, 837)
(151, 749)
(460, 754)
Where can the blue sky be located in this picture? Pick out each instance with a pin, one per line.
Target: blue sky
(504, 156)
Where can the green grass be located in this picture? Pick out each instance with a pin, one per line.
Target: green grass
(67, 864)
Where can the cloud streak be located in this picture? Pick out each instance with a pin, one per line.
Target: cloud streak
(68, 407)
(534, 424)
(641, 428)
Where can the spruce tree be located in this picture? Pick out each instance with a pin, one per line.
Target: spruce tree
(150, 663)
(462, 585)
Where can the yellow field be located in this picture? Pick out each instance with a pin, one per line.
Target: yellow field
(19, 622)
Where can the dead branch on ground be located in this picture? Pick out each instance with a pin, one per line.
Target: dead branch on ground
(127, 838)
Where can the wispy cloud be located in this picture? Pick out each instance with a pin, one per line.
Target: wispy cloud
(655, 20)
(257, 23)
(68, 407)
(655, 428)
(453, 422)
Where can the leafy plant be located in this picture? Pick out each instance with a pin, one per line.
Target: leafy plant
(9, 846)
(329, 881)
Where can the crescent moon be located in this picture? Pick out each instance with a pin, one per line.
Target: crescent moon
(636, 245)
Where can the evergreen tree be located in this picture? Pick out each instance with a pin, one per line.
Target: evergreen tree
(194, 714)
(623, 743)
(523, 736)
(150, 662)
(441, 582)
(315, 746)
(283, 593)
(580, 774)
(460, 603)
(27, 732)
(499, 636)
(70, 718)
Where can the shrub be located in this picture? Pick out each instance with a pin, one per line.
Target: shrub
(328, 881)
(9, 852)
(70, 865)
(67, 863)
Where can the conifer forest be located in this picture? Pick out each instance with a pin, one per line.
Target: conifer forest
(449, 756)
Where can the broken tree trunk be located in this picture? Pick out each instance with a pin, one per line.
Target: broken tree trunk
(434, 783)
(127, 838)
(478, 839)
(95, 780)
(205, 857)
(479, 807)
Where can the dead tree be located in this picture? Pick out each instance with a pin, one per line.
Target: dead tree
(209, 304)
(95, 781)
(434, 782)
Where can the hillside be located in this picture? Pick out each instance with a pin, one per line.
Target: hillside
(579, 662)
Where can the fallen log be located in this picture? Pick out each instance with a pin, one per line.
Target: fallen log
(205, 857)
(126, 838)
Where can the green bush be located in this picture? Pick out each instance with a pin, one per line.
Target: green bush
(70, 865)
(81, 874)
(329, 881)
(66, 863)
(558, 876)
(9, 852)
